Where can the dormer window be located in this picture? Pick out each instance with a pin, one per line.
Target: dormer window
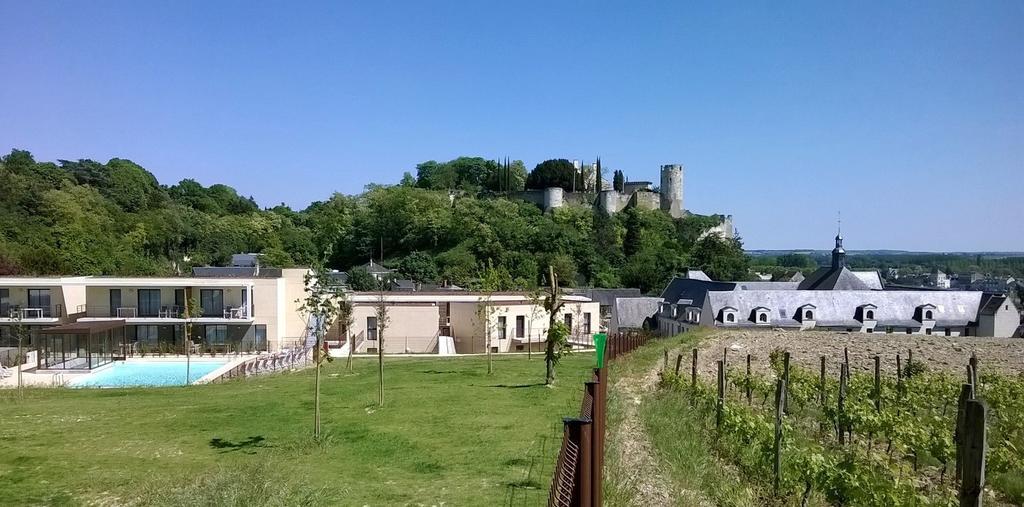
(761, 315)
(866, 312)
(804, 313)
(925, 312)
(729, 314)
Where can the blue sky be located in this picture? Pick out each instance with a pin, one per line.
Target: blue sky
(907, 116)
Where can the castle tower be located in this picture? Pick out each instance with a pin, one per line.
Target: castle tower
(672, 189)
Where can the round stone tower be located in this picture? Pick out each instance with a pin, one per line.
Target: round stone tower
(672, 189)
(553, 198)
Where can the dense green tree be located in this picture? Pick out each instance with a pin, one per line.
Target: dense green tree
(552, 173)
(721, 259)
(359, 279)
(618, 181)
(418, 266)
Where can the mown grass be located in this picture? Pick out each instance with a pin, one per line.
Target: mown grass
(448, 434)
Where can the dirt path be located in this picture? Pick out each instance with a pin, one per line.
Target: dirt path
(636, 459)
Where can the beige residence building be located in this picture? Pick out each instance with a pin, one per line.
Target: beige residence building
(420, 321)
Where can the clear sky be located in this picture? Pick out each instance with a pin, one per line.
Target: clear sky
(907, 116)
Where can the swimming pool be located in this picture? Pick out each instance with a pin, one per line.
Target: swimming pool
(142, 373)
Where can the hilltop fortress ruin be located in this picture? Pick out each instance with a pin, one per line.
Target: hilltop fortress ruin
(640, 194)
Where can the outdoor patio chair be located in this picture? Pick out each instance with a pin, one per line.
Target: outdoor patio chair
(5, 372)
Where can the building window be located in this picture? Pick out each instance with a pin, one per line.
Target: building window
(949, 332)
(568, 322)
(808, 315)
(216, 335)
(115, 301)
(5, 302)
(888, 330)
(762, 317)
(212, 302)
(928, 314)
(149, 302)
(40, 298)
(730, 317)
(870, 315)
(520, 326)
(371, 328)
(501, 327)
(928, 331)
(870, 330)
(586, 323)
(148, 335)
(910, 331)
(261, 337)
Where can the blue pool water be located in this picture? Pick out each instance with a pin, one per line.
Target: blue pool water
(148, 374)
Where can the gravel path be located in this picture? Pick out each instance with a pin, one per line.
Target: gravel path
(637, 461)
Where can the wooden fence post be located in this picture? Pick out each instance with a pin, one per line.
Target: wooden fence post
(721, 394)
(664, 366)
(749, 380)
(841, 414)
(910, 362)
(679, 362)
(878, 384)
(973, 484)
(693, 371)
(785, 376)
(581, 432)
(966, 394)
(780, 397)
(846, 358)
(821, 383)
(594, 391)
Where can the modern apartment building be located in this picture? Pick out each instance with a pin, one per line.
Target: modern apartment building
(418, 320)
(37, 303)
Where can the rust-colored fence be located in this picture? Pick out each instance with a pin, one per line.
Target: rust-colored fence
(579, 468)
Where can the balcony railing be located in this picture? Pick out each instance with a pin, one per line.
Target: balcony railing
(163, 312)
(31, 312)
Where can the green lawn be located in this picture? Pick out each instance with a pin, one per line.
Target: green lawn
(449, 434)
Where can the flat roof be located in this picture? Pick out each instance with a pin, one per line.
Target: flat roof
(454, 297)
(90, 327)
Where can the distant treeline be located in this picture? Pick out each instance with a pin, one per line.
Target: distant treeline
(907, 264)
(449, 223)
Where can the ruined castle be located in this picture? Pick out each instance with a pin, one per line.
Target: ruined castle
(640, 194)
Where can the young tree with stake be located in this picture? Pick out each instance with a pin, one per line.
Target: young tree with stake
(557, 332)
(383, 319)
(321, 307)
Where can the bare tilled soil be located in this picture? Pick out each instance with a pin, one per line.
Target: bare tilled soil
(939, 353)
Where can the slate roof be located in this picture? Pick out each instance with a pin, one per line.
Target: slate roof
(607, 297)
(632, 312)
(838, 308)
(991, 302)
(832, 278)
(870, 278)
(235, 272)
(688, 288)
(374, 268)
(697, 274)
(759, 285)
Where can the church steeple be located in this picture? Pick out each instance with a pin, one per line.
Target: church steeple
(838, 254)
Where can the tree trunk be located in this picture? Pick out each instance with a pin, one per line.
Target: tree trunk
(316, 396)
(380, 368)
(549, 363)
(351, 345)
